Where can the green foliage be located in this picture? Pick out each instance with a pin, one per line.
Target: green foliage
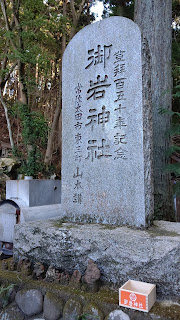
(33, 164)
(34, 134)
(5, 294)
(34, 125)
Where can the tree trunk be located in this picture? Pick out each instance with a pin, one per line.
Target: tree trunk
(48, 155)
(154, 19)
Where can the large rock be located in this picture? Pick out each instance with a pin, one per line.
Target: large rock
(121, 253)
(30, 302)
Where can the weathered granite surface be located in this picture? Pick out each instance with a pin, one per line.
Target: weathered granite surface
(106, 137)
(121, 253)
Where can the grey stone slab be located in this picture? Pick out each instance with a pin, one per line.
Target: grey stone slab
(121, 253)
(106, 173)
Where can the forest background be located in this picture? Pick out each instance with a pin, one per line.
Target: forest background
(33, 37)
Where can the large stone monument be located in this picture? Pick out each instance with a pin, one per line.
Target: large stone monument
(106, 171)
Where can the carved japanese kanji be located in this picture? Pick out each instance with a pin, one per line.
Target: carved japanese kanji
(97, 89)
(99, 55)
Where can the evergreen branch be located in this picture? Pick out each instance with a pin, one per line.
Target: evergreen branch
(169, 112)
(174, 168)
(175, 130)
(173, 149)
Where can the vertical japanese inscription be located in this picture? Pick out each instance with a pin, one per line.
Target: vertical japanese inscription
(120, 125)
(77, 176)
(98, 148)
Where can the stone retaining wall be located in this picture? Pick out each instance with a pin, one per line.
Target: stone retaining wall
(22, 297)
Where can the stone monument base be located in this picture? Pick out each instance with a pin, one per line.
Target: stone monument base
(121, 253)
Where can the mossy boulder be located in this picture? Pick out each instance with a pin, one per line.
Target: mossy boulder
(72, 310)
(53, 306)
(93, 312)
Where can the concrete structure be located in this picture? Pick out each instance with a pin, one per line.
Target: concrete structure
(34, 192)
(106, 167)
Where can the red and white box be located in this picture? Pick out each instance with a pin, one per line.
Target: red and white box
(137, 295)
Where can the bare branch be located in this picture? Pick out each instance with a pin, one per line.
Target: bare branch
(3, 7)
